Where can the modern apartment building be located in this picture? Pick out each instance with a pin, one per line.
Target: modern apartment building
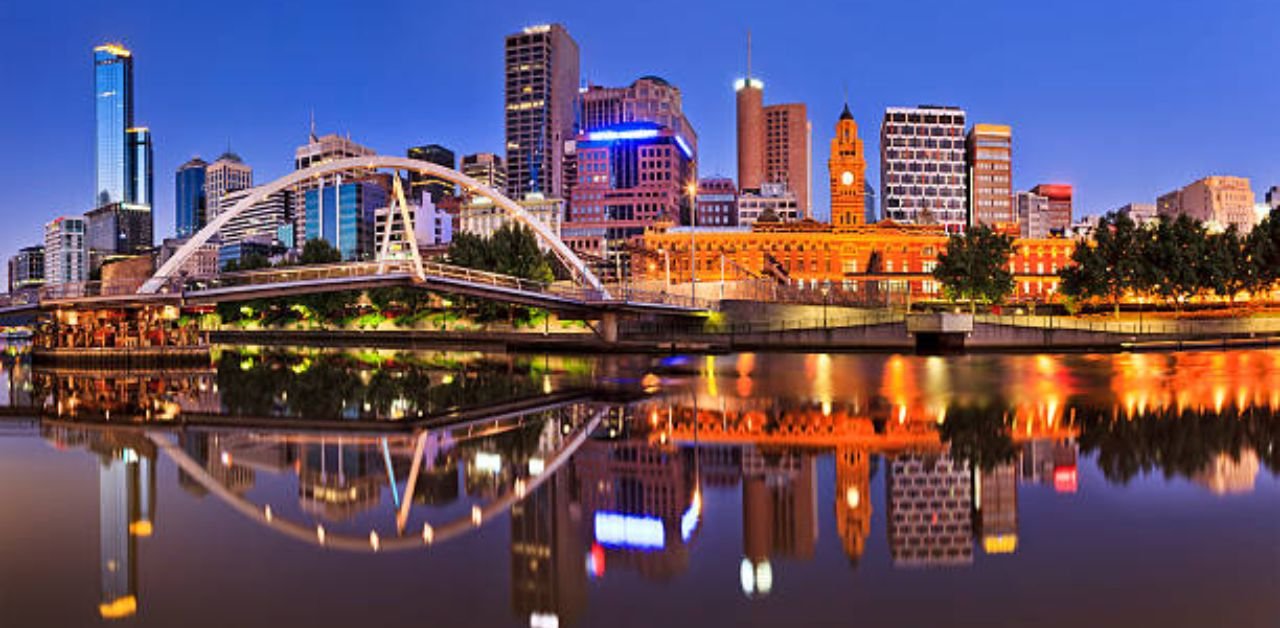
(321, 149)
(923, 169)
(65, 258)
(990, 150)
(343, 214)
(226, 174)
(773, 202)
(1218, 200)
(1033, 215)
(788, 157)
(541, 68)
(262, 220)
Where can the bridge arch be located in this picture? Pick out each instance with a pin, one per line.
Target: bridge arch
(582, 274)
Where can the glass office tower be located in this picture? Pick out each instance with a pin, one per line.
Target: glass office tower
(141, 189)
(189, 199)
(113, 102)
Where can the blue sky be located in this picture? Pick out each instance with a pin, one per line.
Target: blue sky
(1123, 99)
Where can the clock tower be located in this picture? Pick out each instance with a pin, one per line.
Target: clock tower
(848, 169)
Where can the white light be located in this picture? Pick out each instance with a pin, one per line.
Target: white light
(747, 575)
(374, 541)
(622, 530)
(536, 466)
(544, 620)
(852, 497)
(490, 462)
(428, 534)
(476, 515)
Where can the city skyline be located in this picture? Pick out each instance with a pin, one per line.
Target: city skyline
(200, 113)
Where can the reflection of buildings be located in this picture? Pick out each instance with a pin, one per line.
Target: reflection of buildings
(1045, 461)
(337, 480)
(995, 500)
(1227, 474)
(930, 499)
(853, 500)
(548, 578)
(779, 504)
(218, 459)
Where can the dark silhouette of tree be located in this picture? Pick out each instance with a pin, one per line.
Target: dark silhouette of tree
(975, 267)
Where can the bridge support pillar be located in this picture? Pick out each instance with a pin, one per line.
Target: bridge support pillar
(609, 327)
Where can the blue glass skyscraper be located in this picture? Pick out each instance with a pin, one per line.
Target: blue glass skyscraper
(113, 103)
(343, 215)
(138, 176)
(189, 199)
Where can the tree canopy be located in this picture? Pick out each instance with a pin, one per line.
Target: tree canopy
(319, 251)
(975, 267)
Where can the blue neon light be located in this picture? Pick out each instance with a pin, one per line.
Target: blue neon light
(684, 148)
(629, 134)
(614, 529)
(688, 523)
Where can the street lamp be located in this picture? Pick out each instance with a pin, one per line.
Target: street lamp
(692, 190)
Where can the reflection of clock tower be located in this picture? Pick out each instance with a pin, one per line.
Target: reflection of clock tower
(848, 174)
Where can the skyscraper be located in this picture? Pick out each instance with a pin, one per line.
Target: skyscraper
(113, 102)
(990, 148)
(787, 155)
(65, 260)
(1059, 195)
(141, 184)
(922, 166)
(318, 150)
(188, 197)
(343, 214)
(647, 99)
(486, 168)
(26, 269)
(541, 85)
(848, 168)
(226, 174)
(749, 93)
(435, 186)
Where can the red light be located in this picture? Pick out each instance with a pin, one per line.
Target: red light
(597, 560)
(1064, 479)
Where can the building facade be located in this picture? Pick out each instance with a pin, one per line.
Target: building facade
(873, 213)
(321, 149)
(438, 188)
(189, 204)
(847, 166)
(141, 171)
(26, 268)
(343, 215)
(923, 170)
(432, 227)
(787, 153)
(773, 202)
(226, 174)
(541, 68)
(647, 99)
(717, 203)
(113, 107)
(749, 93)
(1140, 213)
(118, 229)
(930, 507)
(1033, 215)
(65, 258)
(990, 150)
(1060, 210)
(262, 220)
(481, 217)
(629, 176)
(1219, 200)
(487, 168)
(201, 264)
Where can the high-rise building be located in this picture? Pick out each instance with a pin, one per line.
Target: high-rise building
(226, 174)
(321, 149)
(717, 202)
(990, 148)
(262, 221)
(629, 176)
(118, 229)
(848, 169)
(873, 215)
(487, 168)
(1059, 195)
(188, 196)
(343, 214)
(1219, 200)
(541, 85)
(65, 259)
(438, 188)
(751, 129)
(26, 269)
(787, 154)
(113, 102)
(773, 202)
(1033, 214)
(647, 99)
(1140, 213)
(141, 172)
(922, 167)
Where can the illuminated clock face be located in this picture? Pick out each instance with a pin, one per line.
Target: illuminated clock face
(846, 178)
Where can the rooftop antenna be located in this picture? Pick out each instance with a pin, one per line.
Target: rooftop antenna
(748, 56)
(313, 126)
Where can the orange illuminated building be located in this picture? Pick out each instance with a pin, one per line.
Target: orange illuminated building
(848, 169)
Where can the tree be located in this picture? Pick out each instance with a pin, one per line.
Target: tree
(975, 267)
(1262, 255)
(1172, 259)
(319, 251)
(1223, 269)
(1108, 268)
(512, 250)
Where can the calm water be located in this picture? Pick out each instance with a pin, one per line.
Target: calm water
(449, 489)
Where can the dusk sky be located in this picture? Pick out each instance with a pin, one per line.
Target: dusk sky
(1124, 100)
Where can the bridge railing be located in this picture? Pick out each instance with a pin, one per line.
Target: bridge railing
(90, 289)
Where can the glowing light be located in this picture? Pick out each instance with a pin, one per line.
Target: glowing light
(489, 462)
(267, 513)
(225, 458)
(739, 84)
(684, 147)
(428, 534)
(596, 561)
(374, 541)
(320, 534)
(544, 620)
(1000, 543)
(120, 607)
(755, 579)
(852, 497)
(689, 520)
(536, 466)
(140, 528)
(616, 135)
(477, 516)
(1065, 480)
(615, 529)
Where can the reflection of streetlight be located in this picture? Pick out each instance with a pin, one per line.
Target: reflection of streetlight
(692, 190)
(826, 289)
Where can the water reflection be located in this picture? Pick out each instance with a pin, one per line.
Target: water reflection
(403, 452)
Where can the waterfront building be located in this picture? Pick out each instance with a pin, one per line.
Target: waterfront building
(202, 263)
(343, 215)
(438, 188)
(647, 99)
(787, 153)
(1033, 214)
(321, 149)
(990, 151)
(772, 201)
(486, 168)
(923, 174)
(1139, 213)
(26, 268)
(432, 226)
(262, 220)
(113, 107)
(1220, 201)
(118, 229)
(65, 258)
(847, 166)
(1060, 210)
(257, 246)
(226, 174)
(717, 202)
(629, 177)
(479, 216)
(541, 69)
(930, 502)
(189, 197)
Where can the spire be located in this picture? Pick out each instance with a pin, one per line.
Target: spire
(748, 56)
(312, 134)
(846, 115)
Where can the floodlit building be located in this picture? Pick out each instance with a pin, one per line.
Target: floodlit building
(990, 151)
(717, 202)
(65, 257)
(923, 167)
(788, 156)
(847, 166)
(481, 217)
(226, 174)
(26, 268)
(1060, 209)
(1218, 200)
(541, 68)
(773, 202)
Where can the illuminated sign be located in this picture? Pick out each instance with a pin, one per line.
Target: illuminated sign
(615, 529)
(629, 134)
(1064, 479)
(684, 148)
